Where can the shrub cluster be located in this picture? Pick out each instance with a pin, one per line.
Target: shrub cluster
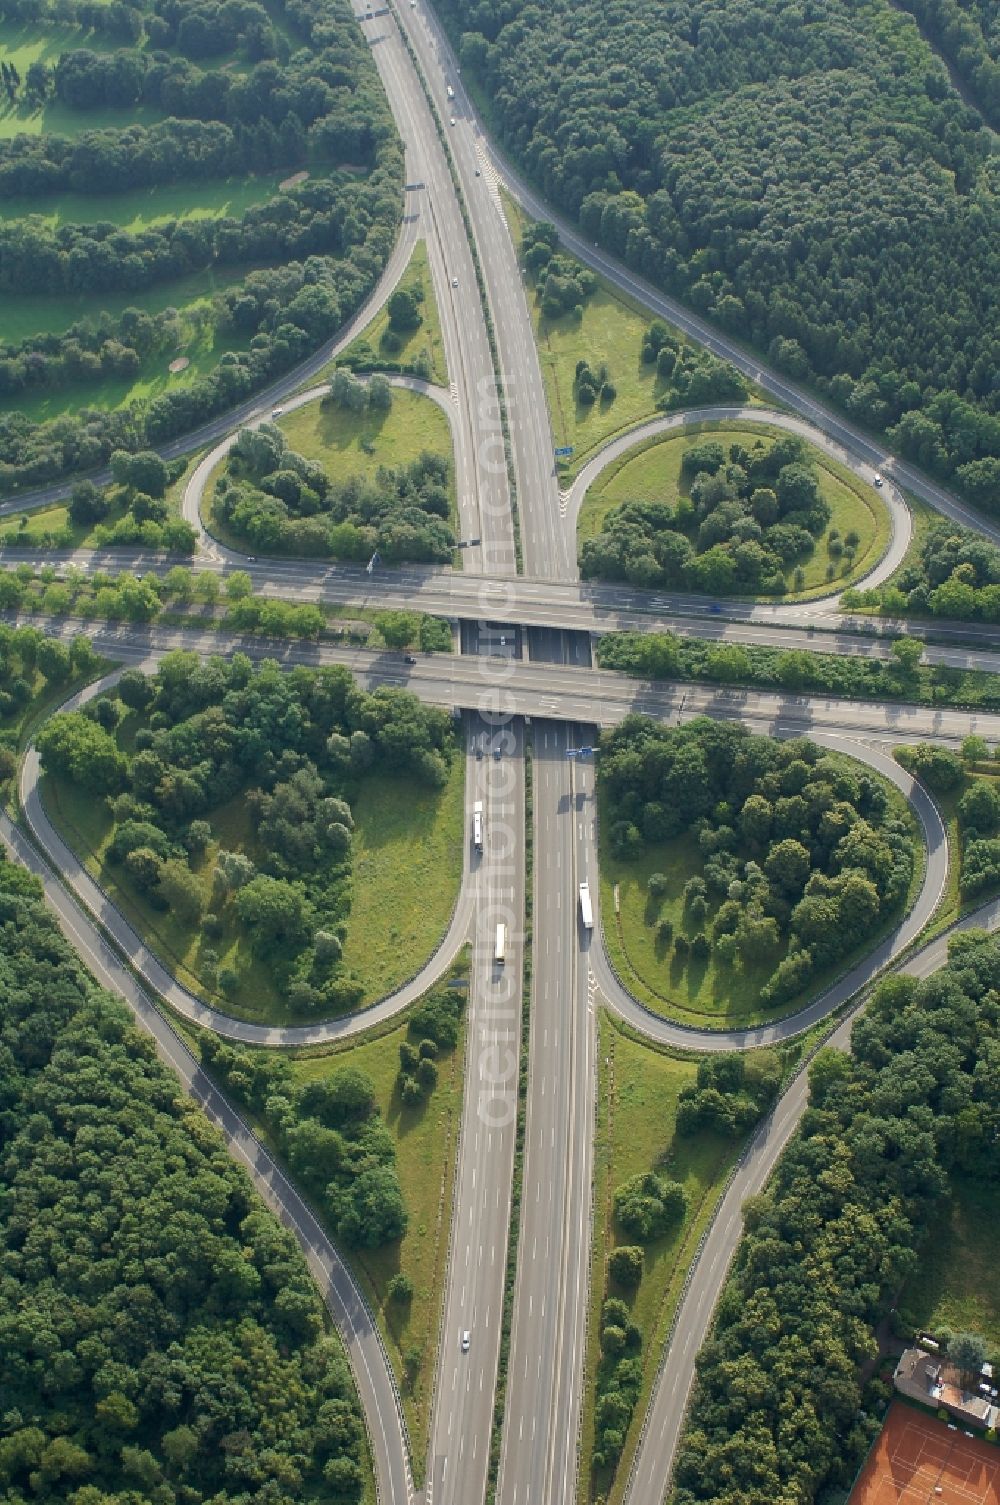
(433, 1027)
(955, 574)
(279, 502)
(978, 810)
(661, 655)
(730, 1093)
(749, 518)
(563, 284)
(331, 1133)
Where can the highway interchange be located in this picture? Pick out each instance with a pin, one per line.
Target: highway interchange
(544, 673)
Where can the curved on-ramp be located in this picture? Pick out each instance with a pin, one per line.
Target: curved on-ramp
(665, 1416)
(95, 902)
(900, 517)
(669, 1032)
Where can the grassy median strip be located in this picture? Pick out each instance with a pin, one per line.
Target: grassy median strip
(638, 1091)
(416, 352)
(514, 1229)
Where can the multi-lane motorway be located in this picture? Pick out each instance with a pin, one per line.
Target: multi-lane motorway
(545, 676)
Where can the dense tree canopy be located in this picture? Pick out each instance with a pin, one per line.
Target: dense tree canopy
(292, 747)
(162, 1338)
(806, 178)
(803, 854)
(777, 1411)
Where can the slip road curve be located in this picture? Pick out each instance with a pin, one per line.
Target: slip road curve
(198, 480)
(96, 903)
(355, 1322)
(667, 1411)
(683, 1037)
(900, 517)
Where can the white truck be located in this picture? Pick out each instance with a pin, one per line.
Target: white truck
(477, 825)
(500, 952)
(451, 92)
(586, 907)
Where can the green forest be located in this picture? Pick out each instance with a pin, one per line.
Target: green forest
(807, 178)
(798, 855)
(162, 1339)
(192, 94)
(229, 791)
(779, 1412)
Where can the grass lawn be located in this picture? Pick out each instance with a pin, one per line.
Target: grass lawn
(652, 473)
(22, 44)
(699, 993)
(426, 1148)
(637, 1104)
(368, 345)
(407, 846)
(139, 208)
(957, 1283)
(408, 852)
(349, 444)
(22, 316)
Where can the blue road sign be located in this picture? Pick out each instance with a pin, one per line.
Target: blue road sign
(563, 451)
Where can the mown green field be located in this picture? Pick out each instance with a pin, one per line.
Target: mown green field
(349, 444)
(22, 44)
(957, 1282)
(140, 208)
(637, 1106)
(653, 474)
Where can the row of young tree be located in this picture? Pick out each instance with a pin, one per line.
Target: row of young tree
(799, 671)
(277, 502)
(717, 152)
(328, 242)
(314, 219)
(162, 1337)
(803, 855)
(955, 573)
(745, 521)
(168, 752)
(779, 1411)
